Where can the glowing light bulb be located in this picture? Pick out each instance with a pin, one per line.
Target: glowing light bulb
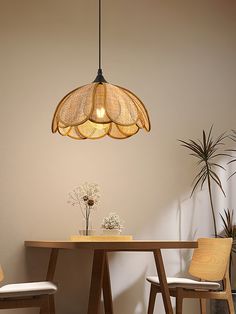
(100, 112)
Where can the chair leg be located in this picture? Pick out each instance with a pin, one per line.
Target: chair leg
(152, 299)
(179, 301)
(52, 304)
(229, 297)
(203, 306)
(45, 306)
(230, 303)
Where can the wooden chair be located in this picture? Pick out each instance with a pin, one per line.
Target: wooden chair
(210, 264)
(30, 294)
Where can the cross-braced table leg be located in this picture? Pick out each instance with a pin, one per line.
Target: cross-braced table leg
(163, 282)
(50, 276)
(100, 280)
(106, 287)
(96, 282)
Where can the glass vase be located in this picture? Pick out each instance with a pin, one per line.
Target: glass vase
(87, 229)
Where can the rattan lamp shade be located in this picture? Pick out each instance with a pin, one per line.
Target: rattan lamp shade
(99, 109)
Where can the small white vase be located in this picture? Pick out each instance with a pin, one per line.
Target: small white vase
(111, 232)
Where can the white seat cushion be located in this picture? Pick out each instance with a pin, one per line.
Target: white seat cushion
(27, 289)
(186, 283)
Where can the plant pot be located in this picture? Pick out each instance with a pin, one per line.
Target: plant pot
(111, 232)
(221, 307)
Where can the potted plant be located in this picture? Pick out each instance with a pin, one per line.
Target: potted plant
(206, 151)
(230, 227)
(228, 231)
(111, 225)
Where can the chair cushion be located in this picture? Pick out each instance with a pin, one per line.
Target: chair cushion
(186, 283)
(27, 289)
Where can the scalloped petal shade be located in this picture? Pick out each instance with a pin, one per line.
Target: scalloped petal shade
(98, 109)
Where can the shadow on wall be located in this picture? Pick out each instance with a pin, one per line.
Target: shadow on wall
(72, 276)
(69, 274)
(185, 255)
(132, 298)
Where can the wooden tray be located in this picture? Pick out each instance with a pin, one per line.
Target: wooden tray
(101, 238)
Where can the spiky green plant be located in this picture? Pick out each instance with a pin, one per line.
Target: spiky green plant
(232, 137)
(207, 151)
(229, 228)
(229, 231)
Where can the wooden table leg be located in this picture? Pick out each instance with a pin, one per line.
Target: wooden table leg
(50, 276)
(163, 282)
(52, 264)
(96, 282)
(106, 287)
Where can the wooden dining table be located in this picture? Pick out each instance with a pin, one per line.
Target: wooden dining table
(100, 277)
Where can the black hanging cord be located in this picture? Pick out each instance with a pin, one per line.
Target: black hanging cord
(99, 78)
(99, 34)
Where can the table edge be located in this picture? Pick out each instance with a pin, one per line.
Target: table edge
(114, 245)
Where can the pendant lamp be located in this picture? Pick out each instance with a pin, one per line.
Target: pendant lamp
(100, 108)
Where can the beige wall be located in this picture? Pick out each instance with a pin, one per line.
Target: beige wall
(179, 57)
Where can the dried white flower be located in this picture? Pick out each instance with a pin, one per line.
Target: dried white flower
(112, 221)
(85, 194)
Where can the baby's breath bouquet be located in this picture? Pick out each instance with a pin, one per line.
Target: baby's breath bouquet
(86, 196)
(111, 222)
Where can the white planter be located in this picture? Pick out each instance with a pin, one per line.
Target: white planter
(111, 232)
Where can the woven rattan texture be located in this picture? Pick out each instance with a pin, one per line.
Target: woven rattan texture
(98, 109)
